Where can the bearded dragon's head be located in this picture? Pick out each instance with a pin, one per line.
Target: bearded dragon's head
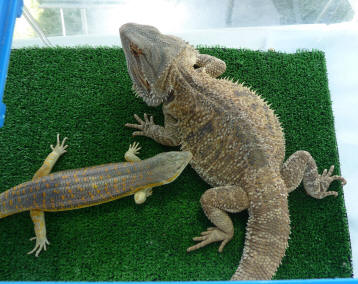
(149, 56)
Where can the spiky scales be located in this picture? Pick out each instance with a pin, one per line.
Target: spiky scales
(236, 140)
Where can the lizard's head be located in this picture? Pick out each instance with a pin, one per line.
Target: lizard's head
(171, 164)
(149, 56)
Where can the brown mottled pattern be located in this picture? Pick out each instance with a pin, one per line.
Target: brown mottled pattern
(224, 120)
(237, 144)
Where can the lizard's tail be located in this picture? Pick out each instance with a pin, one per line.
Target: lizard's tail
(8, 204)
(2, 207)
(267, 234)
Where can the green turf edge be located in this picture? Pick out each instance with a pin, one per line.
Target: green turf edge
(84, 93)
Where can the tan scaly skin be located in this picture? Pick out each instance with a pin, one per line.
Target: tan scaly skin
(78, 188)
(236, 140)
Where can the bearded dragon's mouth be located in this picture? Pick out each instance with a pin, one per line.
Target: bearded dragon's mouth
(139, 76)
(144, 82)
(148, 98)
(145, 90)
(142, 88)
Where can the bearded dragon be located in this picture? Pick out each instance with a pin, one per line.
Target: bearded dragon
(79, 188)
(236, 140)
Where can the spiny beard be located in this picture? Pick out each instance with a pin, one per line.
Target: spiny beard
(150, 98)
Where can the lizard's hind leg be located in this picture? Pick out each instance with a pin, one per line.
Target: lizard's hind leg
(300, 166)
(38, 216)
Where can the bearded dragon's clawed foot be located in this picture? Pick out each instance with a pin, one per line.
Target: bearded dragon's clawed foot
(145, 126)
(326, 179)
(148, 128)
(212, 235)
(40, 245)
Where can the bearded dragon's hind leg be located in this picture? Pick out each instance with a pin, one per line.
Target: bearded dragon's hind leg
(268, 227)
(267, 230)
(215, 202)
(300, 166)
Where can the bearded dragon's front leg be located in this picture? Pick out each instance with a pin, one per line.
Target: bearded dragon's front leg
(163, 135)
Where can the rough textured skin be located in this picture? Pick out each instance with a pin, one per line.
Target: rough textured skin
(236, 140)
(73, 189)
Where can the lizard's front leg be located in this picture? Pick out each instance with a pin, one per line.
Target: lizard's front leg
(163, 135)
(52, 158)
(131, 156)
(37, 216)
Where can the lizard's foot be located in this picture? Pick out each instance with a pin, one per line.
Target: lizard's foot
(213, 234)
(325, 180)
(131, 153)
(134, 148)
(141, 196)
(144, 126)
(40, 245)
(60, 148)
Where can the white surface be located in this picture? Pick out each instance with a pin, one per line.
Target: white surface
(339, 42)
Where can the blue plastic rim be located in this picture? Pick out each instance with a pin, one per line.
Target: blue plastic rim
(306, 281)
(2, 113)
(9, 11)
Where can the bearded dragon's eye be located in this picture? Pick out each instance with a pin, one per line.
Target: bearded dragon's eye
(136, 51)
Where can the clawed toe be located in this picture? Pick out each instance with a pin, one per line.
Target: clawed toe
(326, 179)
(341, 179)
(143, 125)
(40, 245)
(210, 236)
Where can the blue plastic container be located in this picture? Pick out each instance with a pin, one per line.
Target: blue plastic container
(306, 281)
(9, 11)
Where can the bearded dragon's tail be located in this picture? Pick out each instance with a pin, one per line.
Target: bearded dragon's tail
(267, 233)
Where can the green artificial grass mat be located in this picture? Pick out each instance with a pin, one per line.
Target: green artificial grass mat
(85, 94)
